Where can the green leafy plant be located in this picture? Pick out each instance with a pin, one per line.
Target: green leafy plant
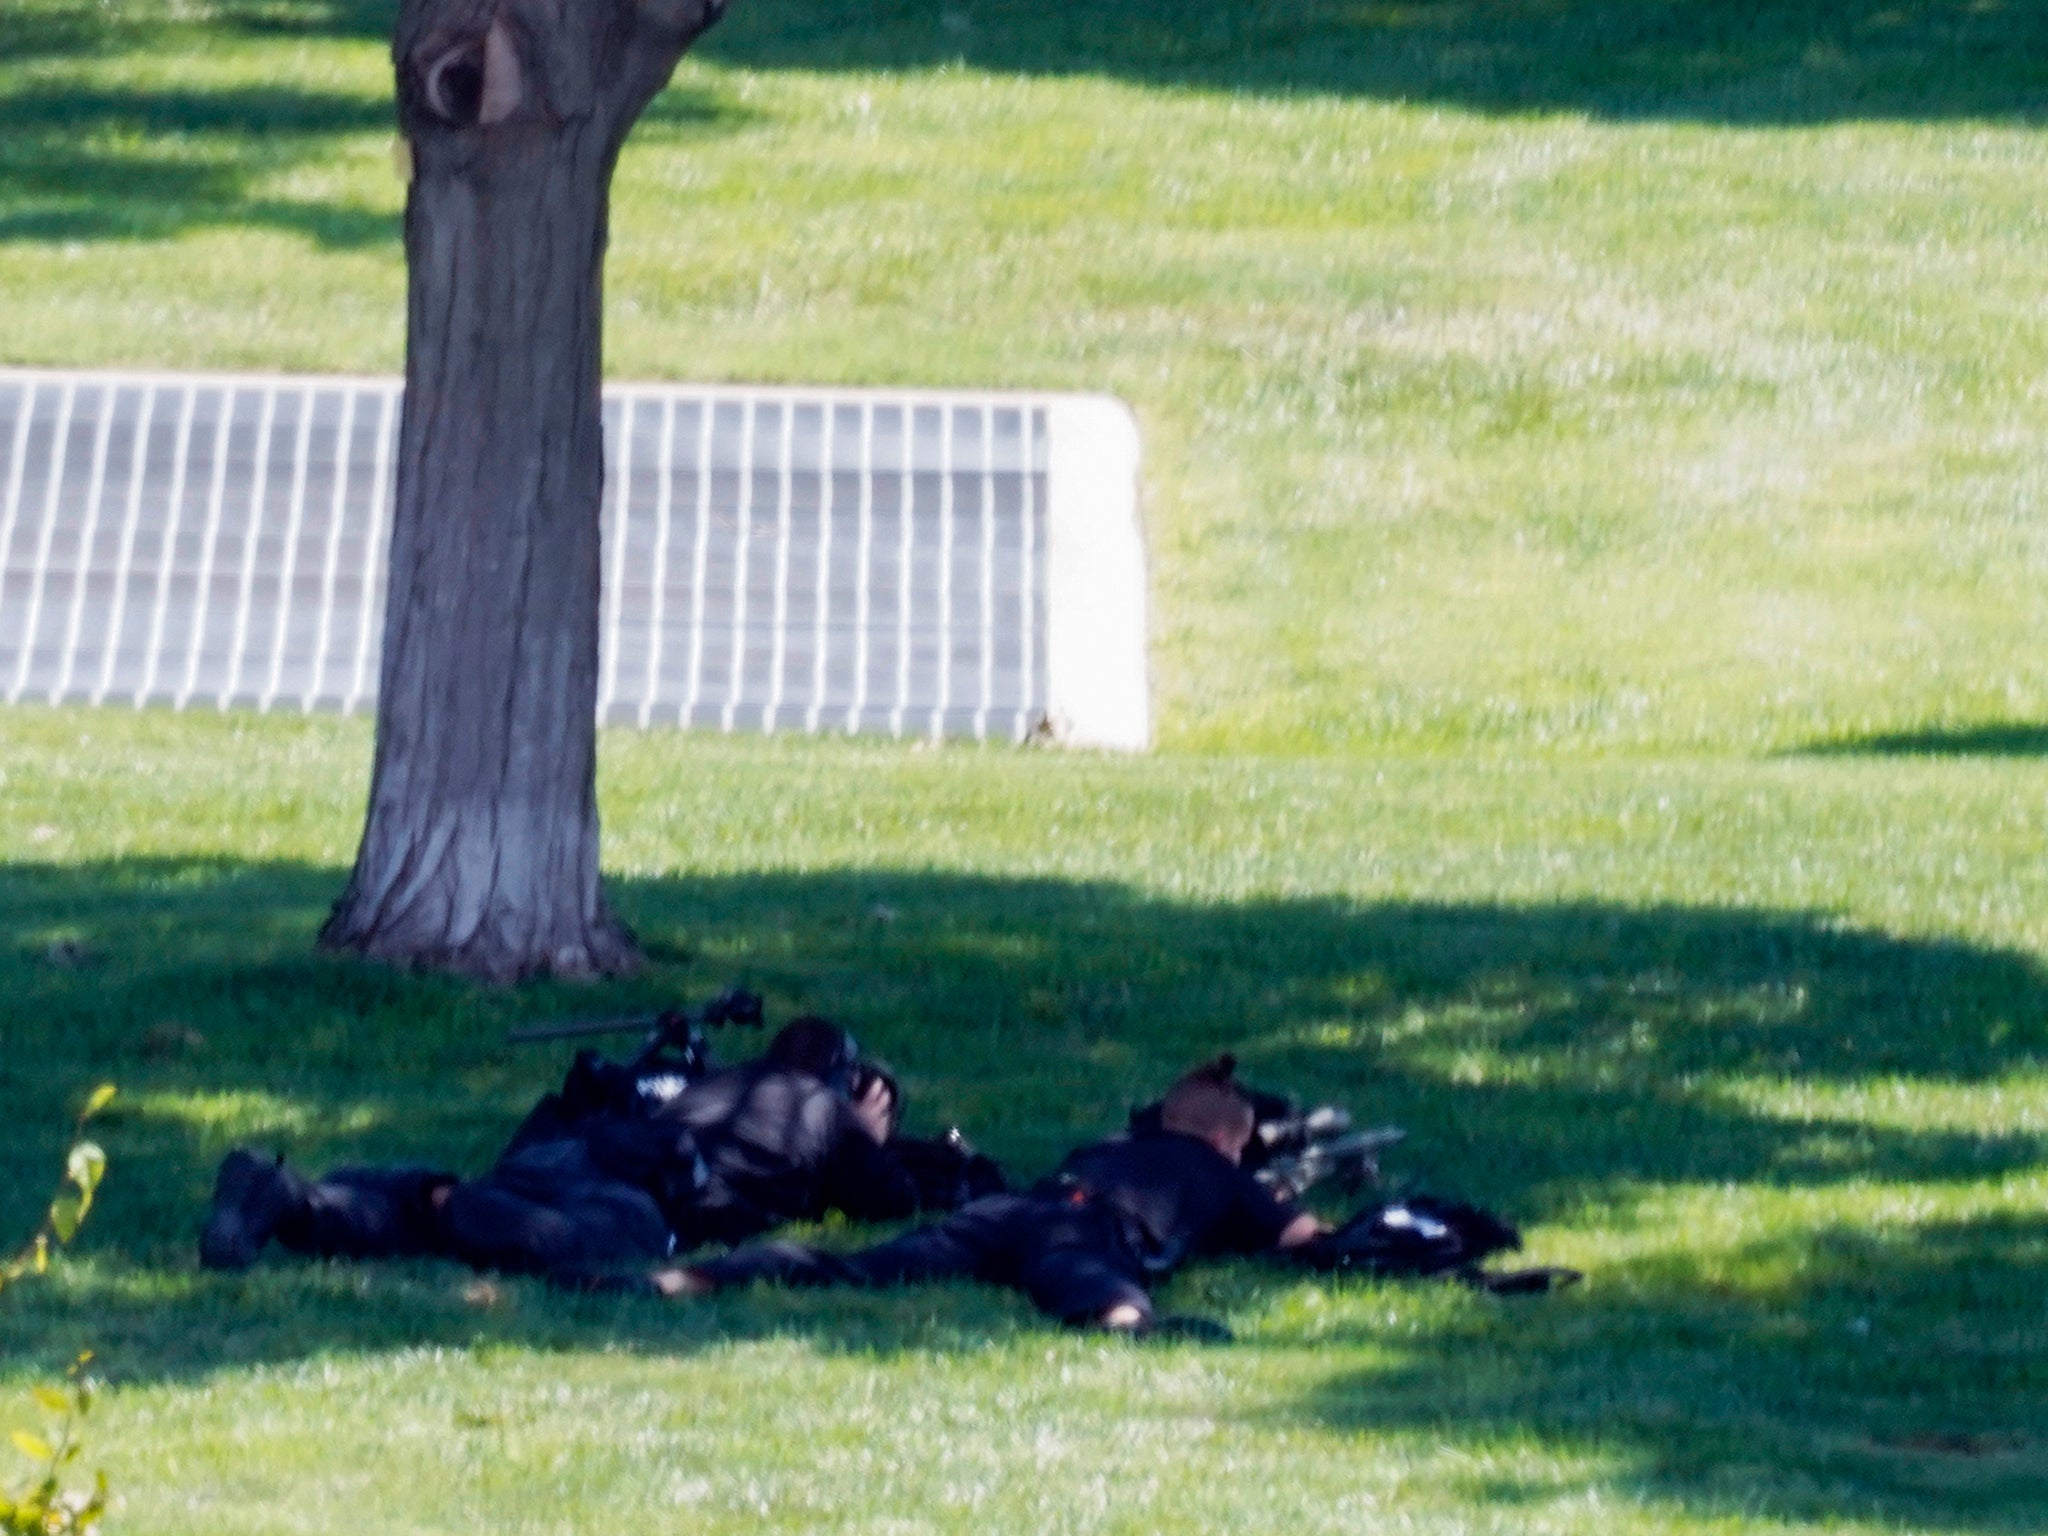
(46, 1507)
(84, 1165)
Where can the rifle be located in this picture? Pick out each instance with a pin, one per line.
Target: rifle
(672, 1053)
(1293, 1149)
(735, 1005)
(1351, 1158)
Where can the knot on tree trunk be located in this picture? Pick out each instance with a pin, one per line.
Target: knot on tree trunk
(469, 80)
(476, 64)
(475, 81)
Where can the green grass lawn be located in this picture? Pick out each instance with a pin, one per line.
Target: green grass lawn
(1595, 485)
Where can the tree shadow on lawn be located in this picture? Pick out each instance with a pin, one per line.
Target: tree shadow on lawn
(93, 163)
(1564, 1063)
(147, 164)
(1894, 1375)
(1779, 63)
(142, 163)
(2000, 739)
(80, 31)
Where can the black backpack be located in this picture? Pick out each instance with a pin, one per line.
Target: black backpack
(1421, 1237)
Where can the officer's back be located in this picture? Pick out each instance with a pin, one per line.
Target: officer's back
(783, 1141)
(1182, 1184)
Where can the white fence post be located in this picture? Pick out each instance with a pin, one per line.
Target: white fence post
(1096, 686)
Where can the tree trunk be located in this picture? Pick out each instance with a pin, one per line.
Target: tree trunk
(479, 853)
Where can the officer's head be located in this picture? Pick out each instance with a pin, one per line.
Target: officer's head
(816, 1046)
(1208, 1105)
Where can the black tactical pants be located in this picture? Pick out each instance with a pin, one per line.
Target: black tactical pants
(1072, 1259)
(544, 1207)
(551, 1207)
(365, 1213)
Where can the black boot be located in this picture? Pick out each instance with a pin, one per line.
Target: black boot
(250, 1193)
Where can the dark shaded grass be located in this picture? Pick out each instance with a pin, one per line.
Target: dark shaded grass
(1831, 1398)
(1612, 1033)
(1896, 1378)
(1999, 739)
(144, 164)
(1788, 62)
(1801, 62)
(1894, 1373)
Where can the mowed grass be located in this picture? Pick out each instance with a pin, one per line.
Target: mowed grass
(1757, 1044)
(1612, 373)
(1594, 485)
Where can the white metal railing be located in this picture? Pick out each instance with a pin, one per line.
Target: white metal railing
(774, 559)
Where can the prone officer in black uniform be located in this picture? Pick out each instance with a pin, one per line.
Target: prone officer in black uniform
(1087, 1243)
(585, 1184)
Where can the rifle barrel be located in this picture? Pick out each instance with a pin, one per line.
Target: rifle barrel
(1363, 1141)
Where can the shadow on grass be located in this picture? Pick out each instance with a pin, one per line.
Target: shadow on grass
(1891, 1376)
(144, 164)
(1781, 62)
(1564, 1063)
(137, 164)
(2006, 739)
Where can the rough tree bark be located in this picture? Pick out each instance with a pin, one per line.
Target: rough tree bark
(479, 852)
